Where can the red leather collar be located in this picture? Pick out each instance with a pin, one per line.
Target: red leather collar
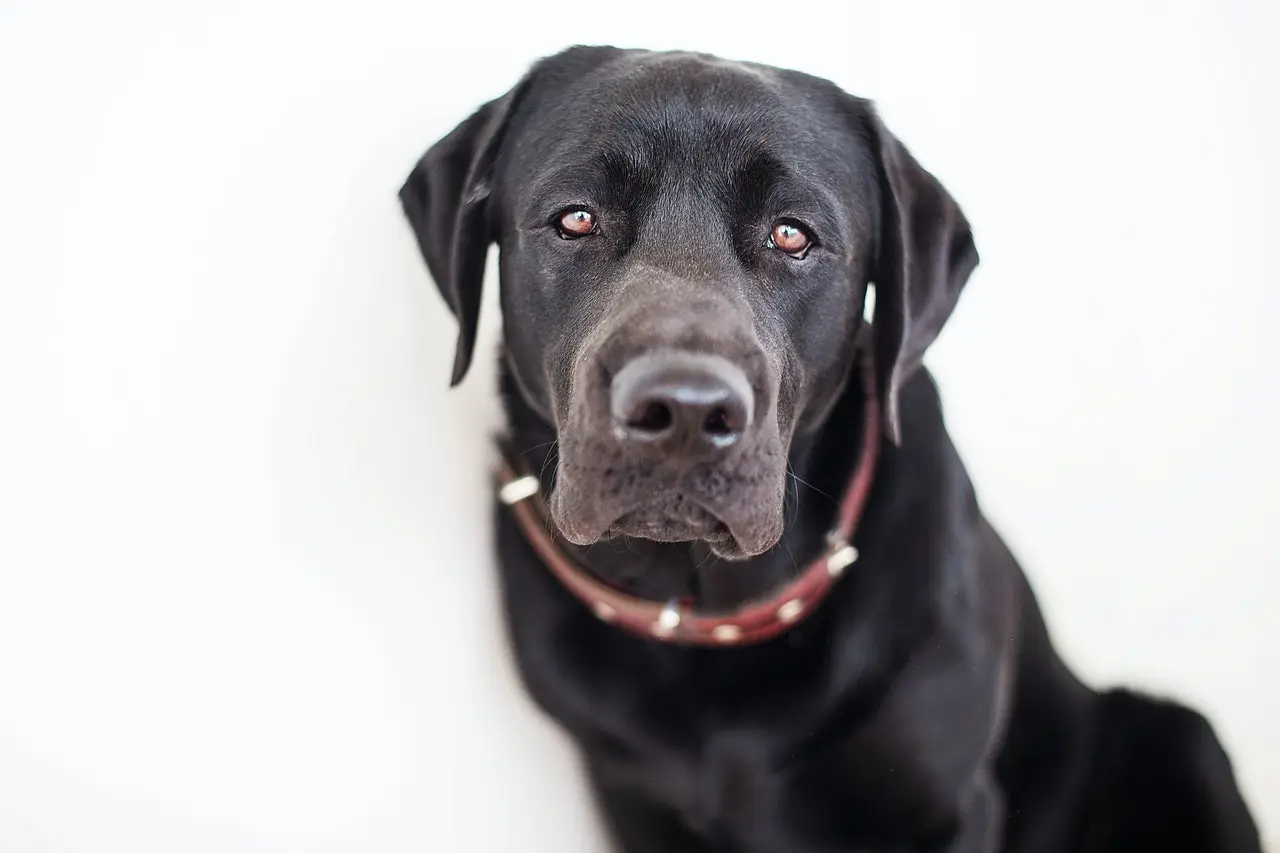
(754, 622)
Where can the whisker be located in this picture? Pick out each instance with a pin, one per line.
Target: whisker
(794, 565)
(804, 482)
(795, 514)
(547, 461)
(710, 556)
(550, 525)
(537, 447)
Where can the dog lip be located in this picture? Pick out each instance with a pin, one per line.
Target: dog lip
(580, 528)
(585, 522)
(667, 528)
(748, 537)
(717, 533)
(738, 512)
(725, 543)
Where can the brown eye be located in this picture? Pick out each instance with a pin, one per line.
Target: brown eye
(790, 237)
(576, 222)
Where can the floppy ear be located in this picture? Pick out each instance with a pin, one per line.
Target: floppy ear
(924, 257)
(446, 199)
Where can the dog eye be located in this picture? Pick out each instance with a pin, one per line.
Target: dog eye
(790, 237)
(576, 222)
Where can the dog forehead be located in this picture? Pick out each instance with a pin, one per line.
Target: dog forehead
(696, 76)
(669, 103)
(642, 80)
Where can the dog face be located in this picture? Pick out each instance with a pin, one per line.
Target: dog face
(685, 250)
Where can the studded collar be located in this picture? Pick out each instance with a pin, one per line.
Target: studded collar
(675, 622)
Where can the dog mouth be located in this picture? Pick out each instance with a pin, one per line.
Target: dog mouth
(682, 523)
(733, 504)
(670, 516)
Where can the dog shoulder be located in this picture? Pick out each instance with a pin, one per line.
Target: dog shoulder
(1161, 780)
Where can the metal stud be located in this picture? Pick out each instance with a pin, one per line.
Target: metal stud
(790, 611)
(841, 559)
(519, 490)
(604, 612)
(668, 621)
(726, 633)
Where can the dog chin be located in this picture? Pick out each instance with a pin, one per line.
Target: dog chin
(659, 526)
(585, 516)
(691, 525)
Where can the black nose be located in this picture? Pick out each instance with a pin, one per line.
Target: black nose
(682, 402)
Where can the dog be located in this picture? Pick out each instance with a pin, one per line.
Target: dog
(741, 562)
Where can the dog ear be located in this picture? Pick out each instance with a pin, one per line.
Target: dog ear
(446, 200)
(925, 255)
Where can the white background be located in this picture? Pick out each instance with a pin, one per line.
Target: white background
(246, 597)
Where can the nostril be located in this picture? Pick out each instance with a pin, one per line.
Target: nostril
(723, 426)
(683, 404)
(654, 417)
(716, 424)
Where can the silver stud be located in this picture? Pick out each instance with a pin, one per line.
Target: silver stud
(841, 559)
(668, 621)
(519, 490)
(726, 633)
(790, 611)
(604, 612)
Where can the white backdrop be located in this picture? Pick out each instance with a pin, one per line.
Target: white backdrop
(246, 598)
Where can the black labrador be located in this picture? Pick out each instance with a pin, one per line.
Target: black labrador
(687, 245)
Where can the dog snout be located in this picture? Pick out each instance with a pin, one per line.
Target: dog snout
(682, 403)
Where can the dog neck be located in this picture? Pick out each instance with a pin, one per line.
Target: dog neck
(820, 465)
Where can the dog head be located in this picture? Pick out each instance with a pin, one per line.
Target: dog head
(686, 245)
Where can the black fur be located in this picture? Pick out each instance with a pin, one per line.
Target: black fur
(922, 708)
